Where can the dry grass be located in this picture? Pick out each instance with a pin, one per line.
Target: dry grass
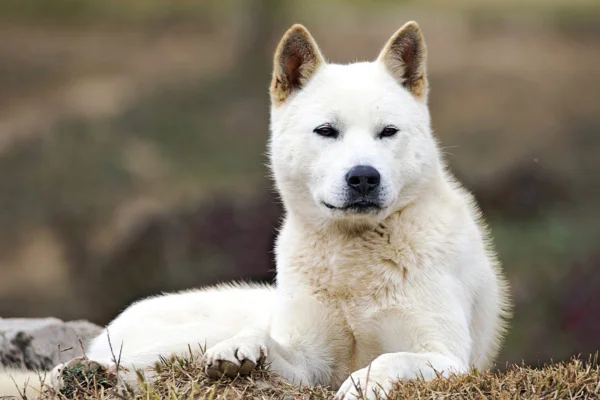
(183, 378)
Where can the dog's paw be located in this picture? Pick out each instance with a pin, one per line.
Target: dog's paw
(81, 365)
(376, 381)
(234, 356)
(368, 383)
(83, 372)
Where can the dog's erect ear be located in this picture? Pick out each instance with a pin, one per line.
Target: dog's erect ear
(296, 60)
(405, 57)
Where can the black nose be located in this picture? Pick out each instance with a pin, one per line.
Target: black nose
(363, 178)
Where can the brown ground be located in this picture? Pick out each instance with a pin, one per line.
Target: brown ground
(184, 379)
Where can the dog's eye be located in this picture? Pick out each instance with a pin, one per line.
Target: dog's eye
(388, 131)
(326, 130)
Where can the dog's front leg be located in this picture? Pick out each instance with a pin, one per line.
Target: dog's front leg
(378, 378)
(302, 344)
(437, 341)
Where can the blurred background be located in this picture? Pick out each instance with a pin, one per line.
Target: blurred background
(132, 146)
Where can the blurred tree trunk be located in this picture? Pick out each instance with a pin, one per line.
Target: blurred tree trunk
(263, 19)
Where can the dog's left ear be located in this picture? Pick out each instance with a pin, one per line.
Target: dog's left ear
(405, 57)
(296, 60)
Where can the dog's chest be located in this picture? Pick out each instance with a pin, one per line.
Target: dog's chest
(362, 282)
(365, 273)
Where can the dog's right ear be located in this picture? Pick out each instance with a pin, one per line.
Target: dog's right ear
(296, 60)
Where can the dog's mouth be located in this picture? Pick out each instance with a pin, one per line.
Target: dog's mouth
(358, 207)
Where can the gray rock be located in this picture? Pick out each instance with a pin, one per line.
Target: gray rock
(34, 343)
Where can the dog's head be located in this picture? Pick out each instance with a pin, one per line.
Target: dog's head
(350, 142)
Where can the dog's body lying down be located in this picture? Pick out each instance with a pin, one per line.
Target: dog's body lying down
(383, 267)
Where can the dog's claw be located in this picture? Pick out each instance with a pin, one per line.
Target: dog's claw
(247, 367)
(228, 368)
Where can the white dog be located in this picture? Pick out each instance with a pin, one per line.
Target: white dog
(384, 268)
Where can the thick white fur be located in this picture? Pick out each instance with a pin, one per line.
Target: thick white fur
(398, 294)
